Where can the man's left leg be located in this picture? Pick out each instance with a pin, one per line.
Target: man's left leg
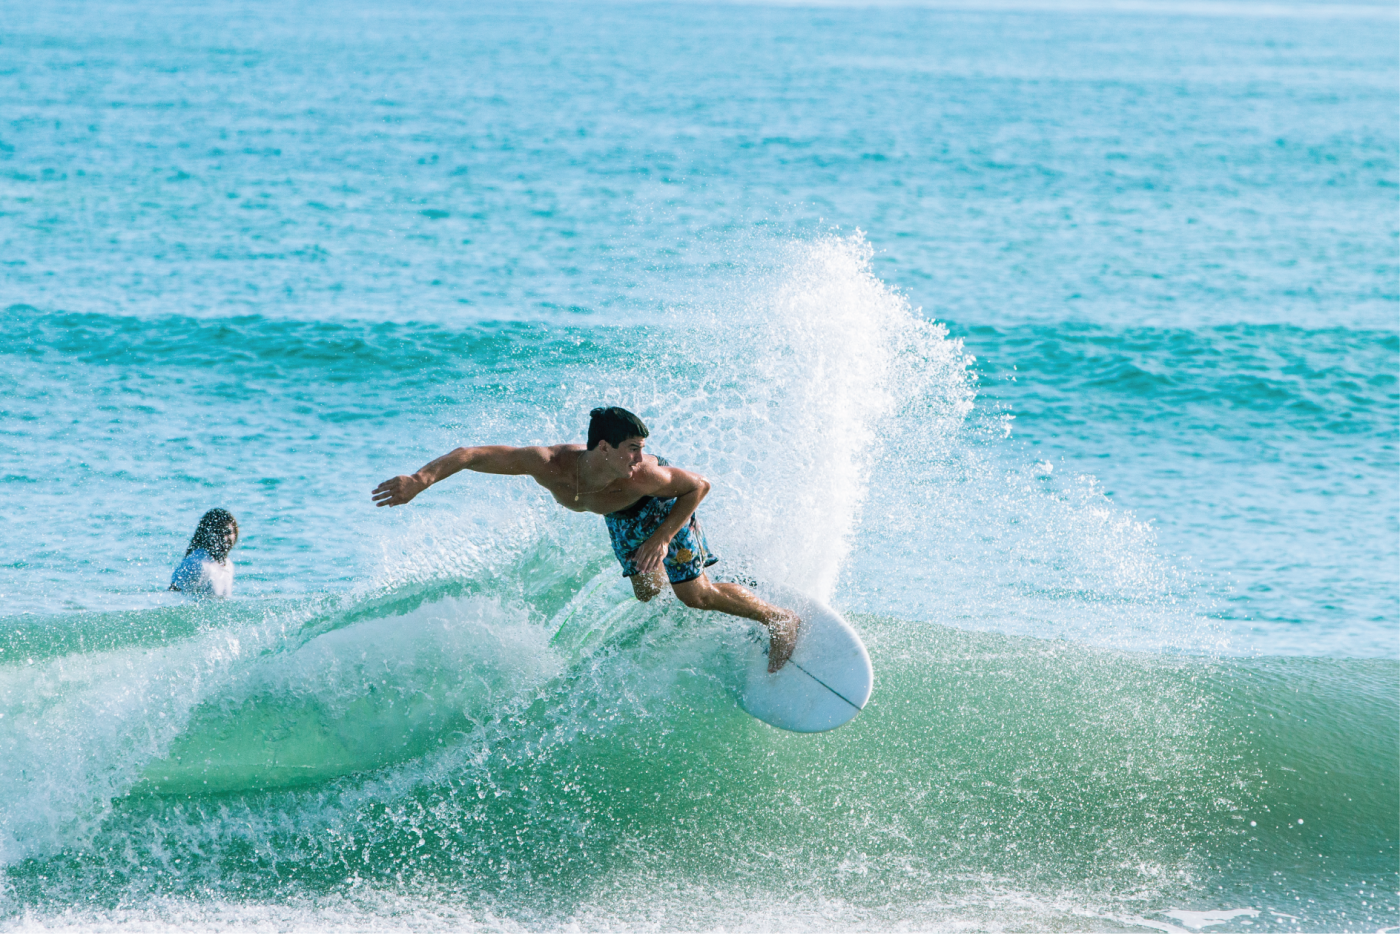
(646, 586)
(704, 594)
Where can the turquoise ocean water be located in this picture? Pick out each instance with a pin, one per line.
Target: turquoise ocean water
(1056, 346)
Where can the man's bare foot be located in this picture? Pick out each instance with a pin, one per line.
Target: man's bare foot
(782, 639)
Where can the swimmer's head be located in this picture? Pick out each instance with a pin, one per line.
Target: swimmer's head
(217, 534)
(613, 425)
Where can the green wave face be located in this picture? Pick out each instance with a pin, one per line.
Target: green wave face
(428, 746)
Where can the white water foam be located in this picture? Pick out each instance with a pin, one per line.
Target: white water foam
(78, 729)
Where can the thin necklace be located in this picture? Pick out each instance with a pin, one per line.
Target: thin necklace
(577, 492)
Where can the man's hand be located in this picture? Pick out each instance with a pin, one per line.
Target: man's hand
(651, 553)
(397, 491)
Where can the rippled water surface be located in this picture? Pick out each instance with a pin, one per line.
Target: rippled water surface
(1056, 347)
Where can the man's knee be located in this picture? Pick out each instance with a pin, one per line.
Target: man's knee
(644, 588)
(696, 596)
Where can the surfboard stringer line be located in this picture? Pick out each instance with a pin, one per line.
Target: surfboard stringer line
(825, 685)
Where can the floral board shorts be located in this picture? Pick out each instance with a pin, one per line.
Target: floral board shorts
(628, 528)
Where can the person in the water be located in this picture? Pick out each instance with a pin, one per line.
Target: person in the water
(649, 507)
(206, 569)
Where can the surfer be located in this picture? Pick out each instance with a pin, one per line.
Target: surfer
(206, 569)
(649, 507)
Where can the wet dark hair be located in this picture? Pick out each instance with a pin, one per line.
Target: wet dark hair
(210, 534)
(613, 425)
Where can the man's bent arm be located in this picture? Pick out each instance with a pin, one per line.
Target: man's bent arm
(497, 459)
(688, 489)
(682, 511)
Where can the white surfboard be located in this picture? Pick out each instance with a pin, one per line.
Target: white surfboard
(824, 684)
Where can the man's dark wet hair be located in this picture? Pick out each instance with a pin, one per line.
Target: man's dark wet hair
(613, 425)
(210, 534)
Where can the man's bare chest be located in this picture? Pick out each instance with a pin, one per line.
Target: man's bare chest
(616, 496)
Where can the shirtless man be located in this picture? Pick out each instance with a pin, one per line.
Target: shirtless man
(649, 507)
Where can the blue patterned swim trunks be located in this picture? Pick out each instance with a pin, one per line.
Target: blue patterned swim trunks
(686, 558)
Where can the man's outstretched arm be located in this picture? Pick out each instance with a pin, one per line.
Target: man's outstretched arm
(490, 459)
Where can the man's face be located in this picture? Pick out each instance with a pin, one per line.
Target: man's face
(626, 457)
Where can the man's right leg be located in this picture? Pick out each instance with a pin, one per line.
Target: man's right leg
(703, 594)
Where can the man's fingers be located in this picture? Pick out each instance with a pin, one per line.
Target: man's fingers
(387, 493)
(391, 492)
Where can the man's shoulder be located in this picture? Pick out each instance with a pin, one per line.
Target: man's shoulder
(557, 451)
(548, 460)
(654, 474)
(550, 453)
